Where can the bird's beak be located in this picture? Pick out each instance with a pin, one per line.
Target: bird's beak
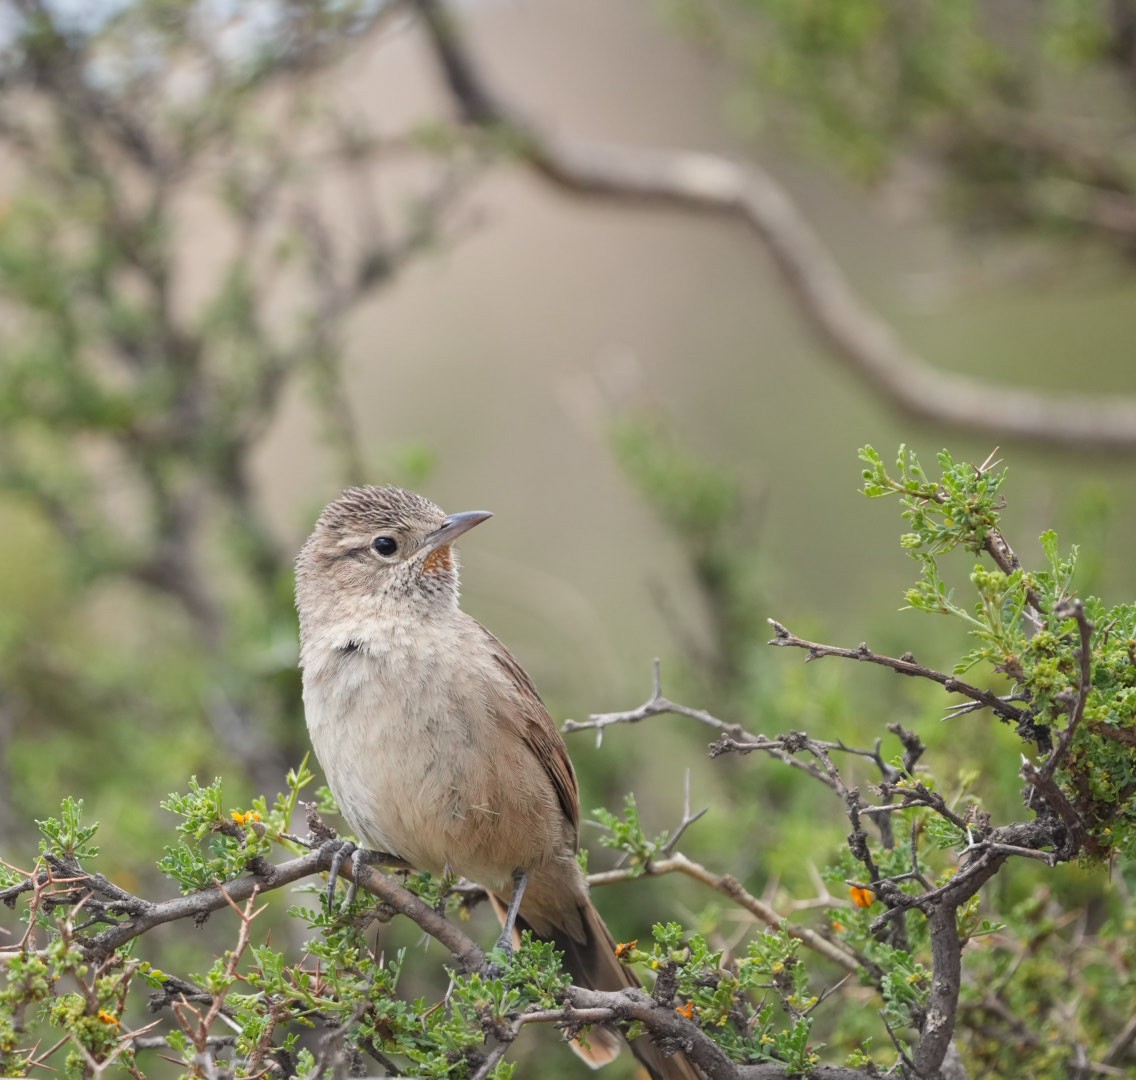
(453, 527)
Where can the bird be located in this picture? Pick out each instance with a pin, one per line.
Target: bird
(436, 744)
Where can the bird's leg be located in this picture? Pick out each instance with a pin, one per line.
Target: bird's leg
(505, 941)
(359, 857)
(342, 853)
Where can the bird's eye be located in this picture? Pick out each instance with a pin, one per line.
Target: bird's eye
(385, 545)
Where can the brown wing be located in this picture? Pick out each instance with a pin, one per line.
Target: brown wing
(539, 732)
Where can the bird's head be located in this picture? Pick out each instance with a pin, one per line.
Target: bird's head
(376, 548)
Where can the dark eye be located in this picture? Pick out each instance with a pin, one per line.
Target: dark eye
(385, 545)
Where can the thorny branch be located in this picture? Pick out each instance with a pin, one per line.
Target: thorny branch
(581, 1005)
(659, 705)
(127, 917)
(986, 851)
(901, 665)
(729, 886)
(195, 382)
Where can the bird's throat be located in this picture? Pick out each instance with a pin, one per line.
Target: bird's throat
(439, 560)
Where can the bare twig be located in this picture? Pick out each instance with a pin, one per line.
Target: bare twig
(730, 887)
(688, 818)
(902, 665)
(734, 736)
(655, 705)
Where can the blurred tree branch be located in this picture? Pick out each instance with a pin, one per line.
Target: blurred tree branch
(131, 394)
(706, 183)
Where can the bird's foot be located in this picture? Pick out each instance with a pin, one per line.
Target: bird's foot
(505, 944)
(359, 857)
(500, 957)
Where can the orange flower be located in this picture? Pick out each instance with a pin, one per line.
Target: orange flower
(109, 1018)
(862, 897)
(243, 818)
(624, 947)
(686, 1010)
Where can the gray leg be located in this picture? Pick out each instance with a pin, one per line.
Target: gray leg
(343, 852)
(505, 941)
(359, 857)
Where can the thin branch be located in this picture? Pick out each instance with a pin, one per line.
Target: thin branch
(1076, 610)
(902, 665)
(956, 891)
(729, 886)
(707, 183)
(688, 818)
(145, 915)
(1076, 835)
(655, 705)
(162, 1042)
(734, 736)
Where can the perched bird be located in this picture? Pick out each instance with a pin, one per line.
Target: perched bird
(435, 742)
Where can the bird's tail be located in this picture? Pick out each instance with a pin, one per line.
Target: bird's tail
(591, 961)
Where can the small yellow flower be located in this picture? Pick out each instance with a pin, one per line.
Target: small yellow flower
(238, 817)
(862, 897)
(109, 1018)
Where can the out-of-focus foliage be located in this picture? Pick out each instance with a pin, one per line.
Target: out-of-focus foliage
(170, 266)
(1021, 113)
(714, 519)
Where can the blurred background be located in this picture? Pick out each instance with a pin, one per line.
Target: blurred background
(248, 256)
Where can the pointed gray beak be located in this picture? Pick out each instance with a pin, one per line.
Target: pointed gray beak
(453, 527)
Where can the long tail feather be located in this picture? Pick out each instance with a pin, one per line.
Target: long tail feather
(592, 963)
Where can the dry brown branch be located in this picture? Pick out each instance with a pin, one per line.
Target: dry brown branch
(729, 886)
(901, 665)
(665, 1023)
(659, 705)
(581, 1006)
(857, 336)
(1076, 610)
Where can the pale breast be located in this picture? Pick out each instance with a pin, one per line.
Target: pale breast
(379, 734)
(419, 761)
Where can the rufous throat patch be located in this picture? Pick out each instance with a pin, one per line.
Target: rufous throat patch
(439, 559)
